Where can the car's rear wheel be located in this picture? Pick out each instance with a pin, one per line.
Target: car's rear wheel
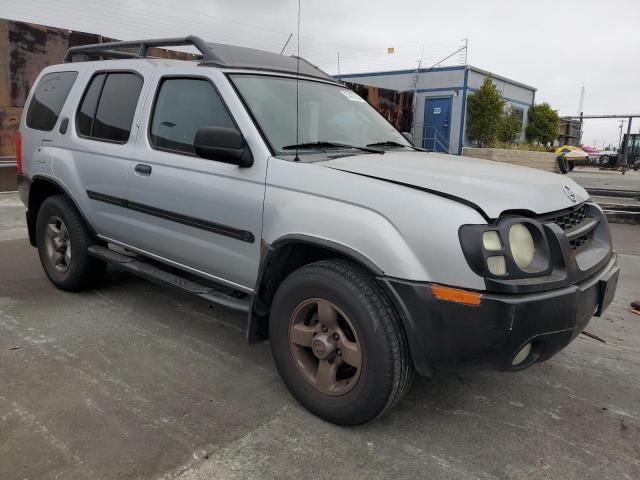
(63, 240)
(338, 343)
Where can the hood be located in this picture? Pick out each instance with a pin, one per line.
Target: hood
(491, 187)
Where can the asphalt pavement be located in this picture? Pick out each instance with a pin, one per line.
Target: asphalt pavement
(133, 380)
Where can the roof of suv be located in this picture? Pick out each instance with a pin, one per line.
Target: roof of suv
(212, 54)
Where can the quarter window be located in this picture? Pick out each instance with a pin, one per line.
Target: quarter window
(108, 106)
(182, 106)
(87, 109)
(48, 100)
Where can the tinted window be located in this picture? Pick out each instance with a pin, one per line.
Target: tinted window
(182, 107)
(116, 107)
(48, 99)
(87, 109)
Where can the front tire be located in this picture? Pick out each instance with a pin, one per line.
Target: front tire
(63, 241)
(338, 343)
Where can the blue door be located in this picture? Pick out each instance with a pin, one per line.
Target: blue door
(437, 124)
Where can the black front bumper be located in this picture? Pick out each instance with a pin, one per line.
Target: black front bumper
(443, 334)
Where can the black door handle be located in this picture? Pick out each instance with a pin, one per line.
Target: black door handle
(143, 169)
(64, 124)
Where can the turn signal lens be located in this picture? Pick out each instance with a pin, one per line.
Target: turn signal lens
(497, 265)
(455, 295)
(491, 240)
(522, 246)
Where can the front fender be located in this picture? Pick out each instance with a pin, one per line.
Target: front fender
(406, 233)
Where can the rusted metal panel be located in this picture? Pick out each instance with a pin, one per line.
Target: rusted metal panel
(9, 121)
(25, 49)
(28, 56)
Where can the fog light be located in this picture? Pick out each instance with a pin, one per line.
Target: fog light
(522, 355)
(497, 265)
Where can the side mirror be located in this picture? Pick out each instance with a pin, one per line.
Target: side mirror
(408, 136)
(223, 145)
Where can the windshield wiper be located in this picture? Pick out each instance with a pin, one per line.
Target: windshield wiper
(330, 144)
(387, 143)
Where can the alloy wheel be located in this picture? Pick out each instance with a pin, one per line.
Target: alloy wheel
(58, 244)
(325, 347)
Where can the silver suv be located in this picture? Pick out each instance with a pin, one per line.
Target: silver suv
(258, 182)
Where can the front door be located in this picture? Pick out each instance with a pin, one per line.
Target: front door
(201, 215)
(437, 124)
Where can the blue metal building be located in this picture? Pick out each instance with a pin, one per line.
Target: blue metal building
(441, 100)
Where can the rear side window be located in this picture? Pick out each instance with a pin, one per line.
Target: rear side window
(182, 106)
(48, 99)
(108, 106)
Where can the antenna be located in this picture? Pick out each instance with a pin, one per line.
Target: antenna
(286, 43)
(296, 158)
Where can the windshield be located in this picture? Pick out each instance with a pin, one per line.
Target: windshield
(329, 114)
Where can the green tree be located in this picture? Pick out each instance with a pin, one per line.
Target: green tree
(510, 126)
(543, 124)
(485, 109)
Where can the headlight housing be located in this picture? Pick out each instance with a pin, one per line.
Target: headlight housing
(510, 249)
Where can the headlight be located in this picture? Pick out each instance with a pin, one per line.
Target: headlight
(522, 247)
(511, 248)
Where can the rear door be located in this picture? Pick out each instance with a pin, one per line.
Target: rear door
(96, 155)
(39, 131)
(202, 215)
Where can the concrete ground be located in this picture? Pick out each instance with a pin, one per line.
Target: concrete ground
(136, 381)
(592, 177)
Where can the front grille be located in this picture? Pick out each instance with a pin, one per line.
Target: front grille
(578, 242)
(571, 219)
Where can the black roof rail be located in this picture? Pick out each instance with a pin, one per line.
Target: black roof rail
(110, 49)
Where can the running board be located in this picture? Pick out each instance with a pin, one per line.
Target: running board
(138, 266)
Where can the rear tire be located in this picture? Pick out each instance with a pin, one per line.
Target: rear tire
(571, 165)
(362, 313)
(63, 241)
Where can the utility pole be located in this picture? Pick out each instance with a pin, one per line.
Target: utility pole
(625, 150)
(622, 122)
(415, 97)
(466, 51)
(581, 112)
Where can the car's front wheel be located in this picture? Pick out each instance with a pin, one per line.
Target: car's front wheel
(63, 240)
(338, 343)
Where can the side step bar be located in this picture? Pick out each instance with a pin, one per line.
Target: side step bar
(140, 267)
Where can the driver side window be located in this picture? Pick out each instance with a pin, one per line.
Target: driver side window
(182, 106)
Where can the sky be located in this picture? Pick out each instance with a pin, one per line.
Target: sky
(556, 46)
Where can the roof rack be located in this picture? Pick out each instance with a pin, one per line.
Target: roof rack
(110, 49)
